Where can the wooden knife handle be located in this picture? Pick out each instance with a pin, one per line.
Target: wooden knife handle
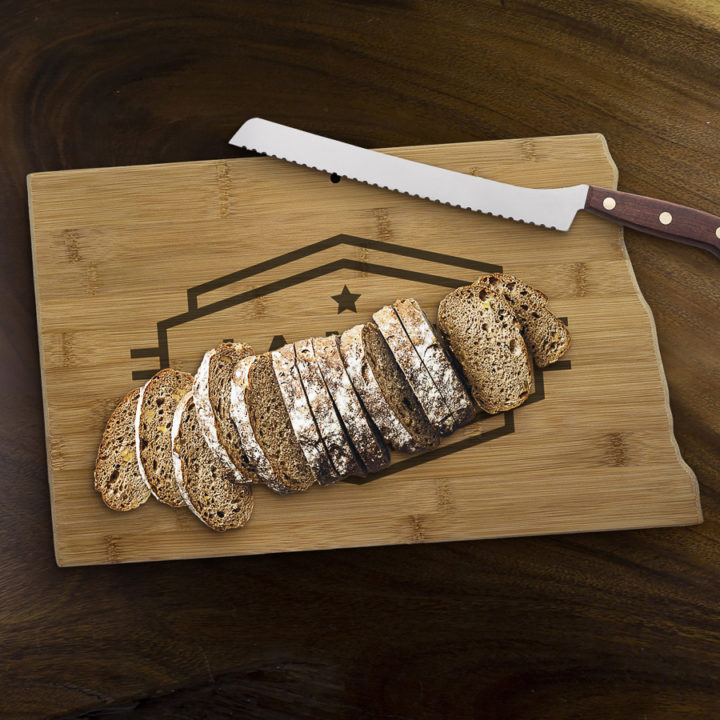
(657, 217)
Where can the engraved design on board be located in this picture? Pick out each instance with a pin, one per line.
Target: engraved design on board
(345, 300)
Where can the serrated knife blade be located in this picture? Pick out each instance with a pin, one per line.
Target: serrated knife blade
(553, 208)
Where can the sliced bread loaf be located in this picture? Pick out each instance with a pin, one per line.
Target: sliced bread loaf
(258, 464)
(211, 391)
(301, 416)
(117, 475)
(365, 438)
(436, 361)
(206, 485)
(546, 336)
(338, 446)
(483, 334)
(270, 421)
(432, 403)
(153, 425)
(384, 391)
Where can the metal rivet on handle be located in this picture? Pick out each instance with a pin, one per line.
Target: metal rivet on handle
(665, 218)
(717, 233)
(609, 203)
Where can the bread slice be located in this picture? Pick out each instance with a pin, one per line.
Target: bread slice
(546, 336)
(432, 403)
(270, 421)
(211, 391)
(484, 336)
(153, 425)
(365, 438)
(258, 464)
(384, 391)
(117, 475)
(436, 361)
(301, 416)
(338, 447)
(206, 485)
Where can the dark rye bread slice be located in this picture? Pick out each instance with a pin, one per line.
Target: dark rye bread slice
(484, 336)
(256, 458)
(365, 438)
(271, 425)
(338, 446)
(432, 353)
(117, 475)
(384, 391)
(213, 382)
(153, 426)
(205, 484)
(301, 417)
(546, 336)
(431, 401)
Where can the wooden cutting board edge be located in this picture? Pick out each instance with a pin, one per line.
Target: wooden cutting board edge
(43, 375)
(692, 478)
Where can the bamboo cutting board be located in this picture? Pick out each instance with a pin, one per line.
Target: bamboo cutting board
(138, 268)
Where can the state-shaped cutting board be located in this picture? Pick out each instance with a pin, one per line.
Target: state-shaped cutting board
(140, 268)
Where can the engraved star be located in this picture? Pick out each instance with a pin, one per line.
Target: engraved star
(346, 300)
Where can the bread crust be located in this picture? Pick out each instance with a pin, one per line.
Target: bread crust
(141, 469)
(177, 460)
(436, 361)
(363, 380)
(238, 499)
(206, 416)
(333, 435)
(240, 416)
(162, 488)
(366, 440)
(301, 417)
(273, 428)
(414, 370)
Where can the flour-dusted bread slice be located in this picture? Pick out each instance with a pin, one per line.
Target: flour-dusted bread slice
(430, 399)
(153, 426)
(366, 439)
(338, 446)
(384, 391)
(117, 475)
(436, 361)
(212, 401)
(206, 485)
(301, 416)
(271, 425)
(546, 336)
(483, 334)
(258, 464)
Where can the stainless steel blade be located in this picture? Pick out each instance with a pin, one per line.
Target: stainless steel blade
(553, 208)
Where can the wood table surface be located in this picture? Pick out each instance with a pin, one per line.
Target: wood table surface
(616, 625)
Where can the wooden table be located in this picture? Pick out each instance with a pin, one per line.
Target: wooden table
(617, 625)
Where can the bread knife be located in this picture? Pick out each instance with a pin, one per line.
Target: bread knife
(553, 208)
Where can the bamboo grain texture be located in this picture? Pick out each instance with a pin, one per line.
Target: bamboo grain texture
(124, 257)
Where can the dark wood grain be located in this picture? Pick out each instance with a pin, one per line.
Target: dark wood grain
(620, 625)
(657, 217)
